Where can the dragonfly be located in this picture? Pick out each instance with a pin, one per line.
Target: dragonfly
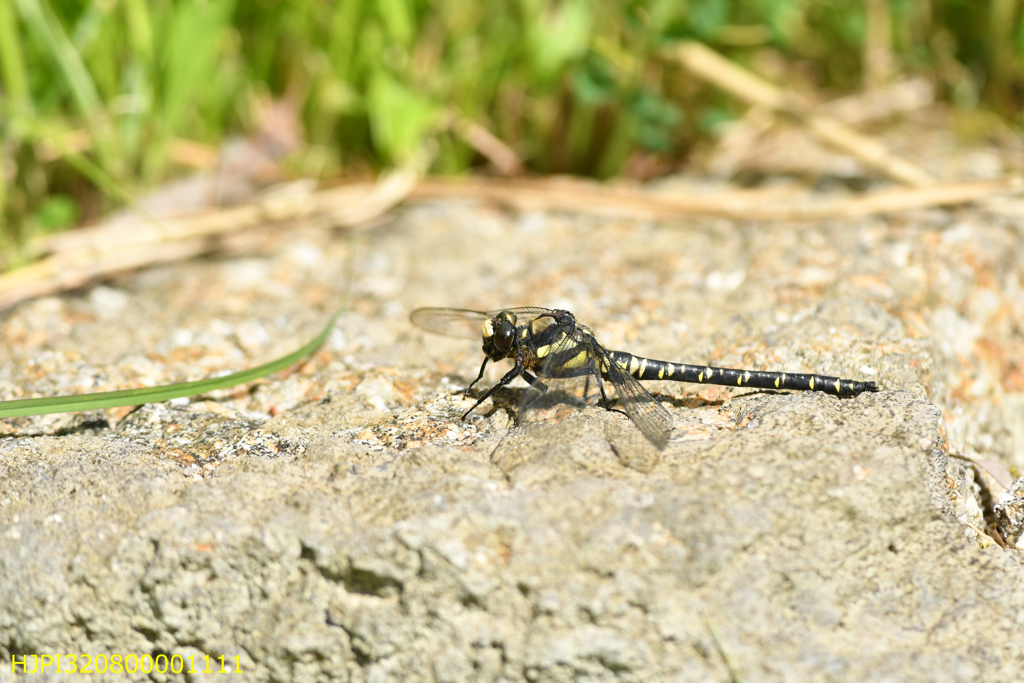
(549, 343)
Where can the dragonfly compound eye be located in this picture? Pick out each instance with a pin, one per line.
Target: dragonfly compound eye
(504, 335)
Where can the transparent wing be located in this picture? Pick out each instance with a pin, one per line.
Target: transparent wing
(451, 322)
(646, 412)
(524, 313)
(463, 323)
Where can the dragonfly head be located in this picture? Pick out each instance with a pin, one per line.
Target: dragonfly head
(499, 334)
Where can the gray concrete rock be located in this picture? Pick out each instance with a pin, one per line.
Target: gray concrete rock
(341, 522)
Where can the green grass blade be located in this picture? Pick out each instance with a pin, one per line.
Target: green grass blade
(44, 23)
(12, 62)
(134, 397)
(40, 18)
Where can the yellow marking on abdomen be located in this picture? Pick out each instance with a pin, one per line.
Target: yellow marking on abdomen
(643, 368)
(661, 372)
(633, 365)
(811, 385)
(576, 362)
(837, 386)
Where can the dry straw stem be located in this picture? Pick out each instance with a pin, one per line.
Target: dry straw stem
(76, 258)
(704, 62)
(874, 105)
(579, 196)
(878, 58)
(739, 142)
(502, 157)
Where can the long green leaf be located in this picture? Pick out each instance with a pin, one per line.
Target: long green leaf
(12, 61)
(41, 20)
(400, 119)
(134, 397)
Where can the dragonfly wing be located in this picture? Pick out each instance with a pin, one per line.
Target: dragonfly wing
(572, 351)
(646, 412)
(464, 323)
(523, 313)
(451, 322)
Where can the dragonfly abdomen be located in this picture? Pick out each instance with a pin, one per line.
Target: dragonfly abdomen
(648, 369)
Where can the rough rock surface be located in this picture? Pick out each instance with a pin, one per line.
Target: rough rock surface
(341, 522)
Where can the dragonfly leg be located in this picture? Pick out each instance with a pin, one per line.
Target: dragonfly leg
(600, 386)
(481, 374)
(536, 384)
(604, 397)
(509, 376)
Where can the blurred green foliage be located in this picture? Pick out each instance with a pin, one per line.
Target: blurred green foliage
(93, 95)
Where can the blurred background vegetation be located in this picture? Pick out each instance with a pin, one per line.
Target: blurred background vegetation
(101, 100)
